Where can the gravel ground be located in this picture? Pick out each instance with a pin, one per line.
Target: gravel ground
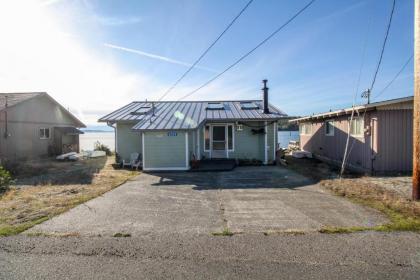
(400, 185)
(368, 255)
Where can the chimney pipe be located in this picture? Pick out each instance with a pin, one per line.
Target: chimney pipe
(265, 97)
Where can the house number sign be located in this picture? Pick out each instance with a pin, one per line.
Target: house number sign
(172, 133)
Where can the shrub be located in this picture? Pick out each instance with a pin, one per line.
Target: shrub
(101, 147)
(5, 179)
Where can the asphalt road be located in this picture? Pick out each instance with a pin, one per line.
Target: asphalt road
(368, 255)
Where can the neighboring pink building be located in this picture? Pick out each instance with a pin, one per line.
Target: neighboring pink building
(380, 136)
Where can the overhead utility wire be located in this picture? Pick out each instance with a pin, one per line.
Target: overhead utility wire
(383, 47)
(395, 77)
(206, 51)
(251, 51)
(346, 153)
(362, 63)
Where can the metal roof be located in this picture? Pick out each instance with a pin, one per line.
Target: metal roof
(187, 114)
(356, 108)
(14, 98)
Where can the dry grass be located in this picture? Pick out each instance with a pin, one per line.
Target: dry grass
(22, 208)
(370, 192)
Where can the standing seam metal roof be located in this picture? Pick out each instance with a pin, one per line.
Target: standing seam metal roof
(169, 115)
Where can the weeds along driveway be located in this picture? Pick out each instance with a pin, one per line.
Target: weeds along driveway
(247, 199)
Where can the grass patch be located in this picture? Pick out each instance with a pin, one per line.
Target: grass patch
(225, 232)
(402, 213)
(43, 234)
(120, 234)
(6, 230)
(22, 208)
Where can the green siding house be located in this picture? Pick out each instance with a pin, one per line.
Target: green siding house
(169, 134)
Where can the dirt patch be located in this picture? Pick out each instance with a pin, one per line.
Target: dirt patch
(24, 206)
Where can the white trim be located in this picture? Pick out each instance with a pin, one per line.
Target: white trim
(165, 168)
(44, 129)
(142, 151)
(274, 141)
(204, 138)
(187, 161)
(233, 138)
(265, 143)
(357, 108)
(116, 138)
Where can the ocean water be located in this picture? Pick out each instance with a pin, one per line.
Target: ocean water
(286, 136)
(88, 139)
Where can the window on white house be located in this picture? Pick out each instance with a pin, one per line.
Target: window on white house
(230, 137)
(44, 133)
(305, 129)
(207, 138)
(329, 128)
(356, 127)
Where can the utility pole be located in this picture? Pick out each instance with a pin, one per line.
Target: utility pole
(416, 111)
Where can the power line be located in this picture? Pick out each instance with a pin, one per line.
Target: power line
(383, 46)
(347, 153)
(206, 51)
(251, 51)
(395, 77)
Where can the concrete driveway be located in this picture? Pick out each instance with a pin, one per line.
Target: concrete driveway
(247, 199)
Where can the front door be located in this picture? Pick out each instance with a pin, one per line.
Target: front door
(218, 141)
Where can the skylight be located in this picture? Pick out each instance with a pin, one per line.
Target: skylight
(249, 106)
(215, 106)
(142, 110)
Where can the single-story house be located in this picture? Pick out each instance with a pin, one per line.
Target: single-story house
(33, 125)
(169, 134)
(380, 136)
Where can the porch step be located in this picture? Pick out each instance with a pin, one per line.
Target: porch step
(215, 165)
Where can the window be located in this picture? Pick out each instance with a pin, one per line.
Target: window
(44, 133)
(230, 137)
(249, 106)
(305, 129)
(207, 138)
(215, 106)
(356, 127)
(329, 128)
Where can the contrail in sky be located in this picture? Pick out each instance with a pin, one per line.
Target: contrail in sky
(154, 56)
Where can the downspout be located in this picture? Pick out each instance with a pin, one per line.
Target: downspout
(6, 129)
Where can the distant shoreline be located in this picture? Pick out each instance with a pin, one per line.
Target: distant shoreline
(98, 131)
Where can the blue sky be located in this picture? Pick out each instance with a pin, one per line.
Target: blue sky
(94, 56)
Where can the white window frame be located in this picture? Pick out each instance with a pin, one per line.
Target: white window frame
(332, 127)
(44, 129)
(362, 126)
(303, 131)
(204, 138)
(226, 125)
